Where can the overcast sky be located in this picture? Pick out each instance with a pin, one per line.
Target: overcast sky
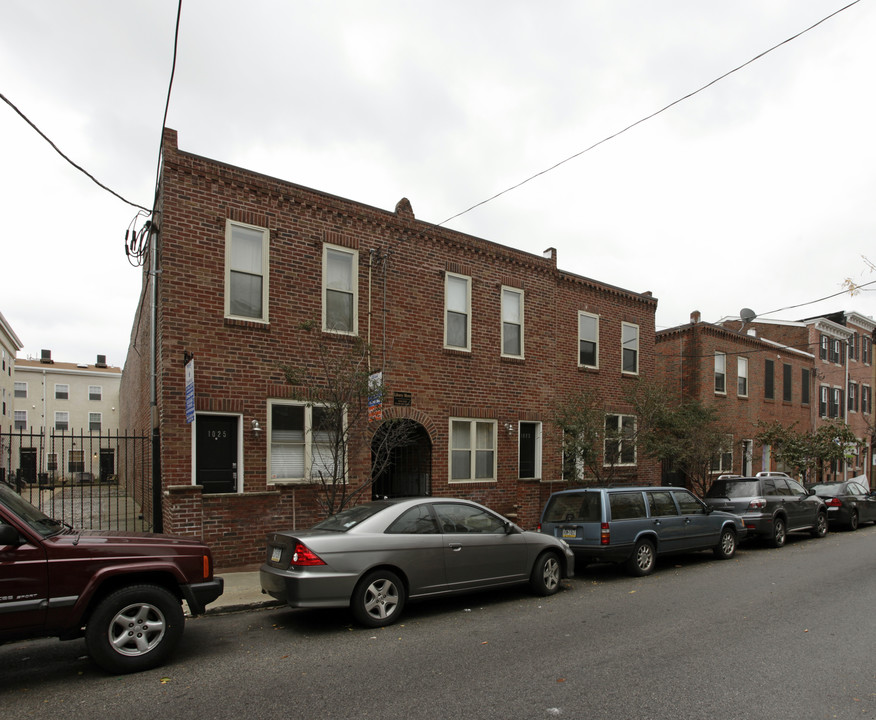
(757, 192)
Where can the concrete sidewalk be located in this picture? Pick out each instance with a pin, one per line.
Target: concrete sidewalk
(242, 591)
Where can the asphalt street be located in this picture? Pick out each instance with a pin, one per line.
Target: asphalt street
(784, 633)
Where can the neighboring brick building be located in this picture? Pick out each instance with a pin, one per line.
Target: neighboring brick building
(842, 345)
(479, 343)
(746, 377)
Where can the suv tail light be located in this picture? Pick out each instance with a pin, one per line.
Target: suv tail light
(604, 534)
(834, 502)
(304, 557)
(757, 503)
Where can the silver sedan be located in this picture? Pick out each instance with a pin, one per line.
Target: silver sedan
(376, 556)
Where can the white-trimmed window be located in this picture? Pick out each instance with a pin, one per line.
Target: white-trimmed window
(630, 348)
(62, 420)
(20, 389)
(75, 461)
(472, 449)
(866, 399)
(94, 422)
(340, 290)
(723, 461)
(95, 392)
(588, 339)
(512, 322)
(720, 373)
(529, 450)
(742, 376)
(457, 311)
(853, 399)
(301, 442)
(246, 271)
(20, 420)
(62, 391)
(52, 462)
(620, 440)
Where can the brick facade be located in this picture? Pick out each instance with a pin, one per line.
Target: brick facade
(401, 269)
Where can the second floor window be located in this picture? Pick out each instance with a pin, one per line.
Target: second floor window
(588, 340)
(769, 379)
(94, 424)
(21, 419)
(720, 373)
(742, 377)
(20, 389)
(786, 382)
(804, 386)
(853, 396)
(246, 271)
(457, 311)
(866, 399)
(62, 392)
(62, 420)
(629, 348)
(512, 322)
(340, 281)
(95, 392)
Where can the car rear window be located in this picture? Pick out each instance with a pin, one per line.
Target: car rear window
(626, 505)
(831, 490)
(733, 489)
(573, 507)
(346, 519)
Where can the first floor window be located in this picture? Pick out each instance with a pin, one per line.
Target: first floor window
(21, 419)
(472, 449)
(723, 461)
(94, 422)
(62, 420)
(529, 450)
(306, 442)
(823, 401)
(76, 461)
(866, 400)
(95, 392)
(853, 397)
(620, 440)
(52, 462)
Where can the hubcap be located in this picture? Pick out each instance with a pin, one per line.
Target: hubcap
(551, 574)
(645, 557)
(381, 599)
(136, 629)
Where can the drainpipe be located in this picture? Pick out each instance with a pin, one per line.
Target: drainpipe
(157, 515)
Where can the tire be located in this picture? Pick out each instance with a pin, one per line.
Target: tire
(135, 628)
(378, 599)
(726, 547)
(546, 574)
(853, 521)
(642, 561)
(780, 533)
(820, 529)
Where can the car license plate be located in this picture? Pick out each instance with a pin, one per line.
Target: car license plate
(570, 532)
(276, 554)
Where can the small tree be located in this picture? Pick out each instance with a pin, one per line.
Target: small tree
(338, 388)
(806, 452)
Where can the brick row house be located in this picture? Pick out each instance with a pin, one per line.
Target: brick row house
(747, 377)
(477, 343)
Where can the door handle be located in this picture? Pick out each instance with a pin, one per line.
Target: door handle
(456, 547)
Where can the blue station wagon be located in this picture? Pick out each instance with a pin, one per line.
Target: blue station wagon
(634, 525)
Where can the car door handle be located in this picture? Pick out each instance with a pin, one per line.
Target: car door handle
(456, 547)
(656, 521)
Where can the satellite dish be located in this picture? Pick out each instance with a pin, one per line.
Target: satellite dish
(747, 315)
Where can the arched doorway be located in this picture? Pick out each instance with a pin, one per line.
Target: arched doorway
(401, 460)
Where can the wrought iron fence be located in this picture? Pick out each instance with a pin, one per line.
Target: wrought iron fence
(91, 480)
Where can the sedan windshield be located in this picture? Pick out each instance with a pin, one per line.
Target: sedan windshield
(733, 489)
(34, 517)
(346, 519)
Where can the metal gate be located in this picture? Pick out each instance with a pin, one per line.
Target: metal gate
(91, 480)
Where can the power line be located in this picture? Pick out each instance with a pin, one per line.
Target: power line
(57, 150)
(648, 117)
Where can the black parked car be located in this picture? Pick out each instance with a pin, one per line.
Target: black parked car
(848, 503)
(771, 505)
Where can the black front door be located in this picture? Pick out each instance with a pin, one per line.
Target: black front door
(409, 471)
(216, 453)
(28, 460)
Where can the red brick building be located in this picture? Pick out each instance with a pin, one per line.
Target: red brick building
(746, 377)
(478, 342)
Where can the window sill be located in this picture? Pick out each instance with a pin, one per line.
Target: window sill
(252, 324)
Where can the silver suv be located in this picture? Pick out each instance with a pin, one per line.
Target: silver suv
(771, 504)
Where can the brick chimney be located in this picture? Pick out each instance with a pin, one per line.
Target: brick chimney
(694, 317)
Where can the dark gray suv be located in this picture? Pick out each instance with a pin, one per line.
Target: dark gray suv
(771, 505)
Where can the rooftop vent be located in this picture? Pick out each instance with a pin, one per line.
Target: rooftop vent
(46, 356)
(101, 361)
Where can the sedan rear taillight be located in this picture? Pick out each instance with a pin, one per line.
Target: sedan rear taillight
(833, 502)
(604, 534)
(758, 503)
(304, 557)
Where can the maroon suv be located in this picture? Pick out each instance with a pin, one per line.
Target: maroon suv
(122, 591)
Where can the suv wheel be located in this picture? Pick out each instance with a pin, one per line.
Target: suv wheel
(135, 628)
(820, 529)
(641, 562)
(779, 533)
(726, 548)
